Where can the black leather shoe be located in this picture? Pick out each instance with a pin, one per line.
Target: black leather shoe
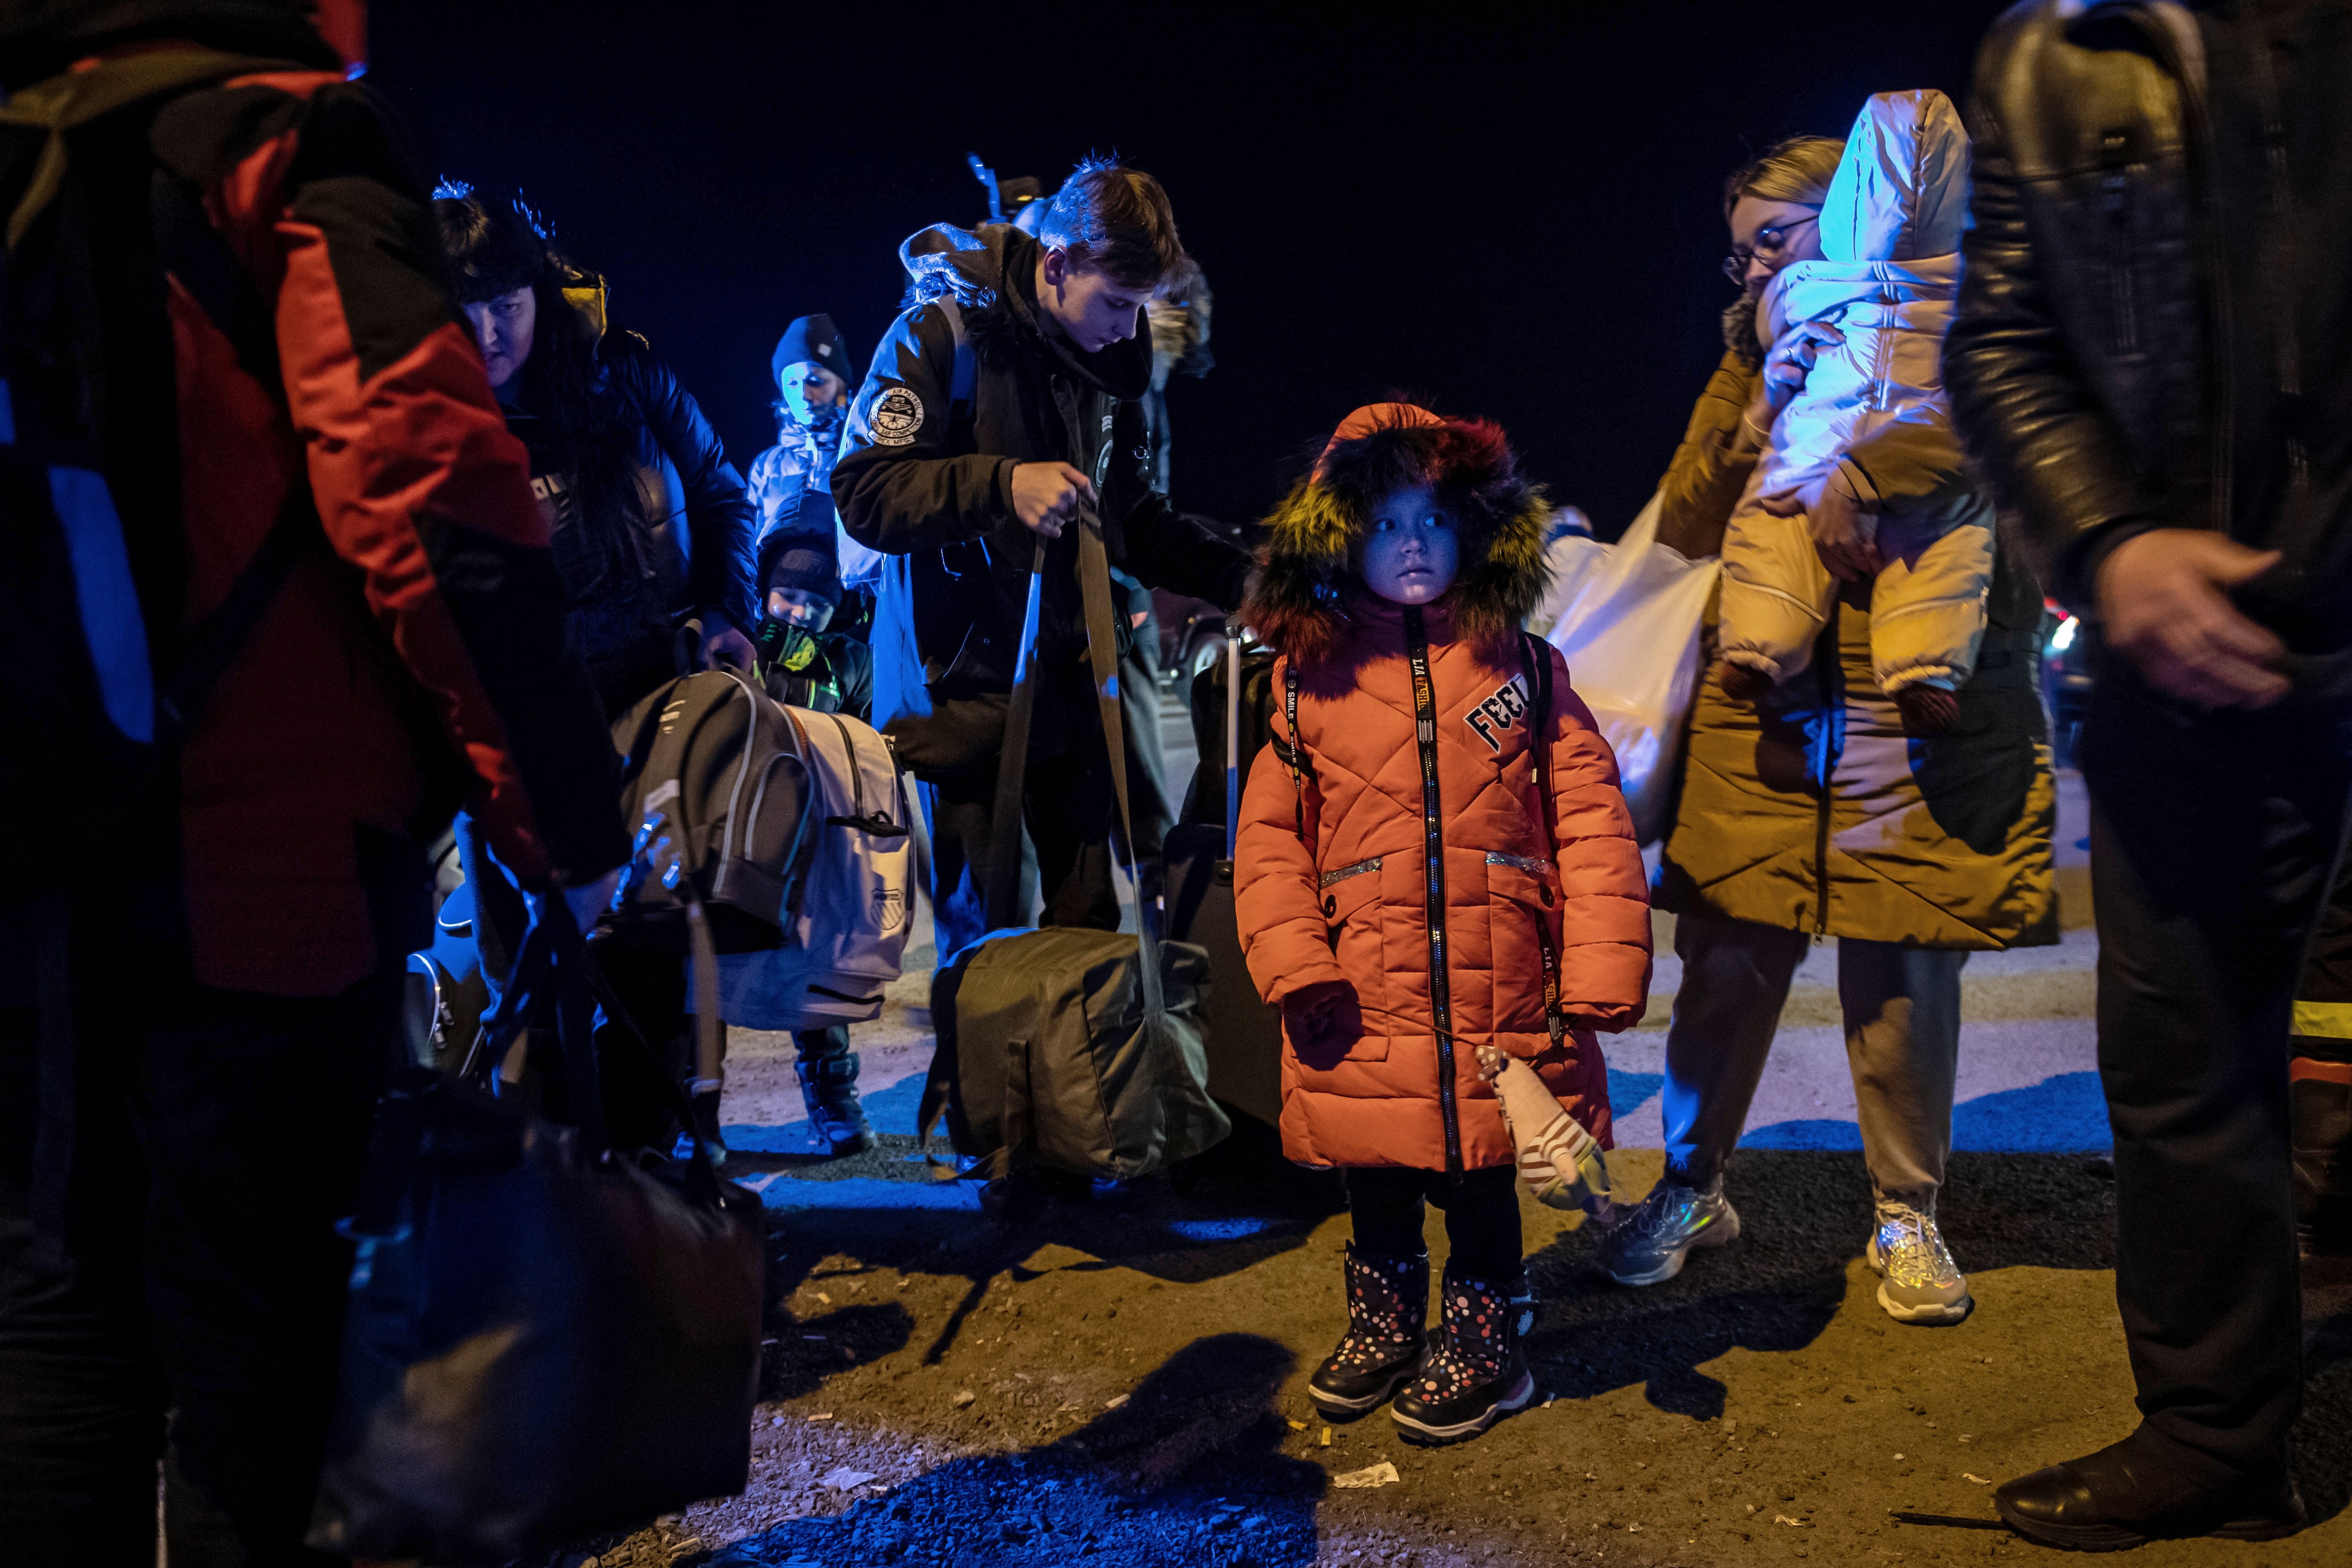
(2120, 1497)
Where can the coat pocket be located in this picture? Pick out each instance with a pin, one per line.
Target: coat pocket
(1352, 915)
(1522, 907)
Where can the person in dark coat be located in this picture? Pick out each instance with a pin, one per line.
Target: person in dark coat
(651, 522)
(222, 331)
(652, 530)
(2149, 366)
(956, 484)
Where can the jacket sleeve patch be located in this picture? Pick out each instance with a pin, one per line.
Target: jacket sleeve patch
(1498, 712)
(894, 417)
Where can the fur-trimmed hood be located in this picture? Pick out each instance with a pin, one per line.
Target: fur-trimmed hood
(1306, 585)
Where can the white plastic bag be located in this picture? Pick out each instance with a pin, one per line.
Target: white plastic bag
(1627, 616)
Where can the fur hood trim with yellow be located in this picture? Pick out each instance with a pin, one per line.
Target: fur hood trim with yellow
(1303, 596)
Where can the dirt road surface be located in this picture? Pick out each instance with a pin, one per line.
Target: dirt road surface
(1122, 1379)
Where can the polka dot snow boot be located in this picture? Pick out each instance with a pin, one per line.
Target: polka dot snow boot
(1476, 1375)
(1388, 1332)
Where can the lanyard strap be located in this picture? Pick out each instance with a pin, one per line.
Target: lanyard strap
(1538, 669)
(1297, 751)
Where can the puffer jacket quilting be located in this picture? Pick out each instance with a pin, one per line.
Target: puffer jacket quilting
(1375, 1101)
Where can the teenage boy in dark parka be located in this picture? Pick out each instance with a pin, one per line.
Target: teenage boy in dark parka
(956, 489)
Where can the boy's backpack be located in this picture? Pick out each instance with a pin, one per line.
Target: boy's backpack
(854, 906)
(1067, 1047)
(713, 776)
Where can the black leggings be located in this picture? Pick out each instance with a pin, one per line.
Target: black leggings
(1482, 1216)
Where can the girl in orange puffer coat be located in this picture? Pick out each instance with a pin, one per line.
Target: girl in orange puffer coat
(1417, 876)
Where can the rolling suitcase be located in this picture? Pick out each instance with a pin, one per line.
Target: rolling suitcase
(1245, 1043)
(1251, 720)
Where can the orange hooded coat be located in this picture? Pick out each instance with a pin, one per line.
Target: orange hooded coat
(1332, 881)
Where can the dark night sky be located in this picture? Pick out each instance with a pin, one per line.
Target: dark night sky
(1511, 211)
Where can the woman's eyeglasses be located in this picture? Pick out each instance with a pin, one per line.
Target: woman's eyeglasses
(1771, 241)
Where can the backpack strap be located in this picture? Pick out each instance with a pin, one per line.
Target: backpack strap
(965, 376)
(1535, 662)
(1004, 887)
(1102, 652)
(195, 253)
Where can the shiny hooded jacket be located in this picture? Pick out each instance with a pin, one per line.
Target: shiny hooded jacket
(1887, 279)
(1418, 862)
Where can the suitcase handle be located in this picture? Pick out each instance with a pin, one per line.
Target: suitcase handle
(1233, 746)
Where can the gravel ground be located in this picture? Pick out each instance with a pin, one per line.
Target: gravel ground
(1122, 1380)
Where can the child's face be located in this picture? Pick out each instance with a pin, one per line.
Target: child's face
(799, 607)
(1411, 550)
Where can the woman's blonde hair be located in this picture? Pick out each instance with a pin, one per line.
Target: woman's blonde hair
(1797, 170)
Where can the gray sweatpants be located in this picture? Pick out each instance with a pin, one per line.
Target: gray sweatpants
(1902, 1007)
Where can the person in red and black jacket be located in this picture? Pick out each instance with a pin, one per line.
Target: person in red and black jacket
(245, 340)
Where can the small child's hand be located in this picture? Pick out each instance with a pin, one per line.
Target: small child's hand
(1844, 527)
(1315, 1014)
(1786, 365)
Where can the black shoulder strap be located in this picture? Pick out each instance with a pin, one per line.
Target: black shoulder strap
(195, 253)
(1535, 660)
(1293, 754)
(1003, 885)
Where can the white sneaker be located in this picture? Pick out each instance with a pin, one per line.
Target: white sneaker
(1918, 1281)
(1648, 1246)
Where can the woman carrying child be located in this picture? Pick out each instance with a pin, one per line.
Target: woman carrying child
(1434, 858)
(1818, 809)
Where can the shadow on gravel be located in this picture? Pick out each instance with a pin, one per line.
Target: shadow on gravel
(2323, 1435)
(1186, 1472)
(1228, 1211)
(1804, 1216)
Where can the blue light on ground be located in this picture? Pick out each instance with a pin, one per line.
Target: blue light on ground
(867, 1191)
(2065, 1115)
(1627, 1091)
(1217, 1230)
(892, 1109)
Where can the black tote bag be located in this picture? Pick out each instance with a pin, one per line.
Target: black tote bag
(545, 1338)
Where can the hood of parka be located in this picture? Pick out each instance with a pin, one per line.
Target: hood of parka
(992, 274)
(1307, 594)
